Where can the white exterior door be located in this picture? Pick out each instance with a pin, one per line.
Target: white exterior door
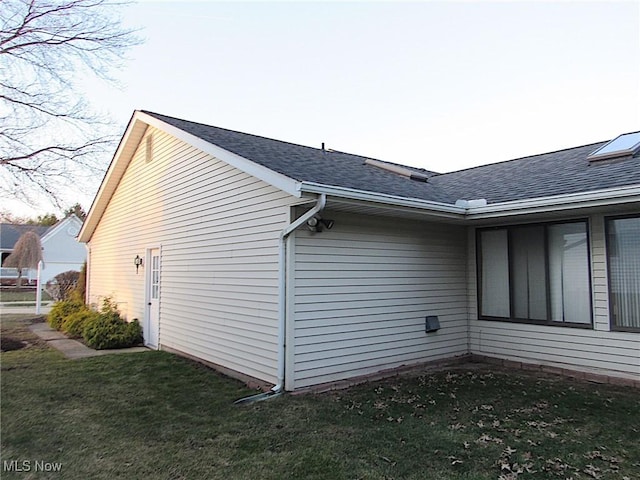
(152, 318)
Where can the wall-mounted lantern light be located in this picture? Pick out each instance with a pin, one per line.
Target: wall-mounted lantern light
(137, 262)
(316, 224)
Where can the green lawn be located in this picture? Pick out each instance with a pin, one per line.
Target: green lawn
(155, 415)
(10, 295)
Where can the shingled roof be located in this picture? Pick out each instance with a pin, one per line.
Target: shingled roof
(556, 173)
(10, 233)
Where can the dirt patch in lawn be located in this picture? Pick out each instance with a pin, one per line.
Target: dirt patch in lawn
(8, 344)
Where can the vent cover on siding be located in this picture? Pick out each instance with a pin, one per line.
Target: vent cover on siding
(148, 149)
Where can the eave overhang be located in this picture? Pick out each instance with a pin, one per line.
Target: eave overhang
(413, 207)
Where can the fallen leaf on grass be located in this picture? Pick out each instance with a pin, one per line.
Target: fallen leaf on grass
(484, 438)
(592, 471)
(509, 451)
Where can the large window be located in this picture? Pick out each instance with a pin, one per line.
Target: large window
(535, 273)
(623, 259)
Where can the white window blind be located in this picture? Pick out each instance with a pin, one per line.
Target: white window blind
(623, 255)
(495, 273)
(569, 287)
(529, 273)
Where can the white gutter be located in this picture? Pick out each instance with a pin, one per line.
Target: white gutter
(282, 300)
(467, 211)
(597, 198)
(350, 193)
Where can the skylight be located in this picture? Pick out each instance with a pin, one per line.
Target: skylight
(622, 146)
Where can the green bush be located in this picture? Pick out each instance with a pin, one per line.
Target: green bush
(108, 329)
(61, 310)
(73, 325)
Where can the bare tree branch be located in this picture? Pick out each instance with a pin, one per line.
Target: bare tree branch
(49, 136)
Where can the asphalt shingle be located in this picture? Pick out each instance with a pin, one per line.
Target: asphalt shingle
(556, 173)
(10, 233)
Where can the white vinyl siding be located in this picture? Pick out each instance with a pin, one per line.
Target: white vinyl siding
(596, 350)
(218, 231)
(363, 290)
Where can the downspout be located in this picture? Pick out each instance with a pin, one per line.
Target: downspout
(282, 299)
(87, 284)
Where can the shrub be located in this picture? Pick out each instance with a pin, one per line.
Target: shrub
(74, 324)
(107, 330)
(61, 310)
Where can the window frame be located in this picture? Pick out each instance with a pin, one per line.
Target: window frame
(612, 326)
(511, 319)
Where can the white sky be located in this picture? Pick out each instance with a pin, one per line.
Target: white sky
(439, 85)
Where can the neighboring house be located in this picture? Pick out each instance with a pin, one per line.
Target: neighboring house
(9, 235)
(300, 266)
(61, 251)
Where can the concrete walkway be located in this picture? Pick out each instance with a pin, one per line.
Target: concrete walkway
(72, 348)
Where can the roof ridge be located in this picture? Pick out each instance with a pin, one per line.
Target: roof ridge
(327, 150)
(248, 134)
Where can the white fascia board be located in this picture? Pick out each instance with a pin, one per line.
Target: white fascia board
(54, 229)
(250, 167)
(119, 163)
(61, 224)
(596, 198)
(442, 209)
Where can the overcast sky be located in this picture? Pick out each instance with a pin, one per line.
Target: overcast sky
(439, 85)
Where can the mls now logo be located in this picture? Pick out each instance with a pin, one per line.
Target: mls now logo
(29, 466)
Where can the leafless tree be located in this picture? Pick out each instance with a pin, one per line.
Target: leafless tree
(49, 135)
(63, 285)
(27, 253)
